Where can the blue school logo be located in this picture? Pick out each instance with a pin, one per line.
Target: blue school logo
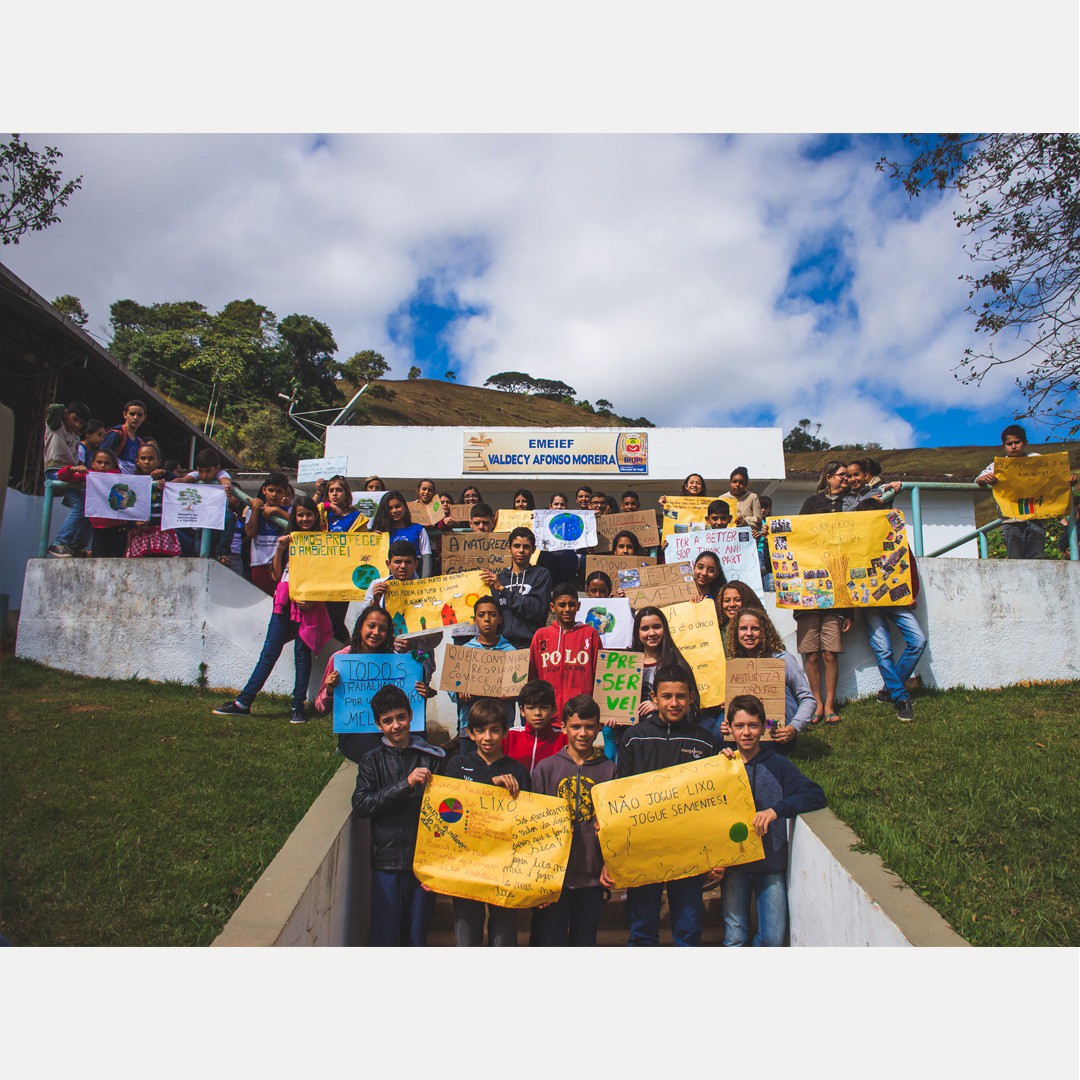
(121, 497)
(364, 575)
(566, 527)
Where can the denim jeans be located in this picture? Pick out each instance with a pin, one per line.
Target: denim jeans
(572, 920)
(877, 630)
(469, 923)
(684, 903)
(279, 633)
(75, 530)
(772, 918)
(1024, 539)
(400, 909)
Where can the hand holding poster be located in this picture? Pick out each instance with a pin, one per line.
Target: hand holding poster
(763, 678)
(362, 674)
(611, 618)
(857, 559)
(735, 548)
(618, 685)
(695, 629)
(677, 822)
(118, 496)
(659, 586)
(484, 672)
(430, 602)
(335, 566)
(309, 470)
(563, 530)
(475, 551)
(193, 506)
(476, 842)
(1032, 487)
(426, 514)
(642, 523)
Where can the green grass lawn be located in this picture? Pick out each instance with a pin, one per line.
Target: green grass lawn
(974, 804)
(130, 815)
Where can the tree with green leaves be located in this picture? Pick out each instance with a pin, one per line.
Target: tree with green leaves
(308, 347)
(71, 307)
(1022, 216)
(451, 376)
(512, 382)
(800, 437)
(365, 367)
(31, 189)
(414, 373)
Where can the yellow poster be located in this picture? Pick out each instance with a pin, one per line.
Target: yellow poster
(681, 513)
(677, 822)
(859, 559)
(335, 566)
(506, 520)
(695, 628)
(428, 603)
(478, 843)
(1032, 487)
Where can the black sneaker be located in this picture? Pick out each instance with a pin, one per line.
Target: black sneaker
(62, 551)
(298, 717)
(232, 708)
(904, 711)
(883, 695)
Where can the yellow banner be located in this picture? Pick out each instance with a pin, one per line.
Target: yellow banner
(335, 566)
(695, 628)
(429, 603)
(478, 843)
(1032, 487)
(824, 561)
(506, 520)
(681, 513)
(677, 822)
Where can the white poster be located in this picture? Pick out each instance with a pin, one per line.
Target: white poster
(120, 496)
(735, 548)
(564, 530)
(308, 470)
(367, 502)
(612, 619)
(193, 506)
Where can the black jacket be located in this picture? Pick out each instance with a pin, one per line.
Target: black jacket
(651, 744)
(383, 794)
(471, 766)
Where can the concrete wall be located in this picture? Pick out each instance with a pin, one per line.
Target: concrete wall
(317, 889)
(837, 896)
(19, 534)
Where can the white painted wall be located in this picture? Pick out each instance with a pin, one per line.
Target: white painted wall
(19, 534)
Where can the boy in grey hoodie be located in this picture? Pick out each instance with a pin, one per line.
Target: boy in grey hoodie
(571, 774)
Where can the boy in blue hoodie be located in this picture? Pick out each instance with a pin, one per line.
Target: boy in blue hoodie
(389, 789)
(780, 792)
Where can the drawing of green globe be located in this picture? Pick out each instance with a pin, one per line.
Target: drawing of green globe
(364, 575)
(121, 497)
(567, 527)
(601, 620)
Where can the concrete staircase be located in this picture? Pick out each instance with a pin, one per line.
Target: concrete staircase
(613, 922)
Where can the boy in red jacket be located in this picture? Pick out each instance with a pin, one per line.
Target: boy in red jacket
(564, 654)
(539, 738)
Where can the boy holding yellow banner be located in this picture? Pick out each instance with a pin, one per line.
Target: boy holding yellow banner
(660, 740)
(1026, 492)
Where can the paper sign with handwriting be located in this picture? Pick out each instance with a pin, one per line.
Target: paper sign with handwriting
(1032, 487)
(735, 548)
(617, 688)
(843, 560)
(478, 843)
(484, 672)
(362, 675)
(335, 566)
(563, 530)
(659, 586)
(426, 514)
(613, 564)
(642, 523)
(309, 470)
(764, 678)
(677, 822)
(508, 520)
(436, 601)
(475, 551)
(193, 506)
(695, 629)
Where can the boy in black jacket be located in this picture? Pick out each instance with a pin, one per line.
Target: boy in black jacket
(389, 789)
(487, 764)
(662, 739)
(780, 792)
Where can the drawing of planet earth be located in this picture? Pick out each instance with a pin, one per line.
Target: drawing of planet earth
(364, 575)
(601, 620)
(567, 527)
(121, 497)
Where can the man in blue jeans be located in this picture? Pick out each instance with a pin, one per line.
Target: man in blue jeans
(894, 674)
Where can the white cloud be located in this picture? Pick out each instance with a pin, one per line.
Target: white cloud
(650, 270)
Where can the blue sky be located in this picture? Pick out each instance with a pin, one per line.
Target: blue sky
(745, 279)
